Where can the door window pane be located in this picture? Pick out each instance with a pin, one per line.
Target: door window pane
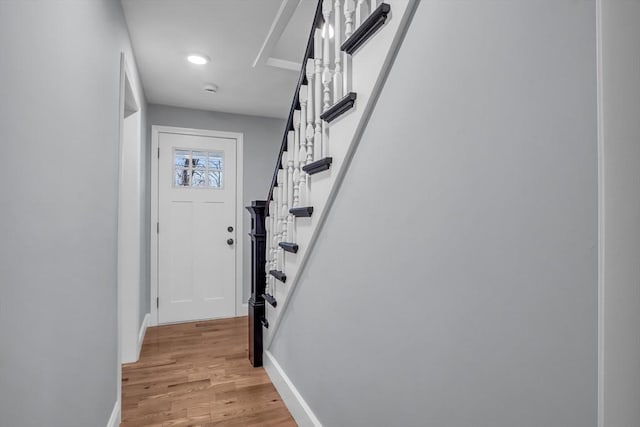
(199, 160)
(215, 161)
(215, 179)
(182, 158)
(181, 177)
(198, 178)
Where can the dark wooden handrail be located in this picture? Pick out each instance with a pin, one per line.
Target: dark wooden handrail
(308, 53)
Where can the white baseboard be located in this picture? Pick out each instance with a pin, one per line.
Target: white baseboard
(301, 412)
(143, 330)
(114, 419)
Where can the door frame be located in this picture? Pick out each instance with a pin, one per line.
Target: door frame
(129, 107)
(130, 216)
(156, 130)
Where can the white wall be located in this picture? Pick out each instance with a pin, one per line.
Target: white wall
(262, 139)
(620, 212)
(59, 133)
(455, 280)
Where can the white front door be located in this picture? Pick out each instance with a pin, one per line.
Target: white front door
(196, 227)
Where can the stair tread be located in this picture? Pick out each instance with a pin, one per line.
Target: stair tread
(318, 166)
(302, 211)
(368, 28)
(339, 108)
(289, 246)
(278, 275)
(270, 299)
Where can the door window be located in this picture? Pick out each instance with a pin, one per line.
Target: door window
(198, 169)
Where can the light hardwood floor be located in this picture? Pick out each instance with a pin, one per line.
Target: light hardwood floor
(198, 374)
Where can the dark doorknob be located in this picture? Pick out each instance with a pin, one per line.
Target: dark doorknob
(229, 229)
(229, 242)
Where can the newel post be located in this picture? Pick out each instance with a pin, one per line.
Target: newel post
(256, 302)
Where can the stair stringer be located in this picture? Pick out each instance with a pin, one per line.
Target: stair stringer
(370, 69)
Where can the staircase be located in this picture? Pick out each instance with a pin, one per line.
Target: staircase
(349, 52)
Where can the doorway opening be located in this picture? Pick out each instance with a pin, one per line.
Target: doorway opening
(131, 237)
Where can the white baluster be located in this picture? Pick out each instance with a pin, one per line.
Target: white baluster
(289, 168)
(281, 226)
(326, 76)
(310, 117)
(273, 211)
(304, 193)
(349, 8)
(296, 153)
(306, 134)
(285, 195)
(267, 229)
(302, 151)
(303, 97)
(337, 42)
(291, 140)
(326, 54)
(317, 99)
(325, 140)
(288, 230)
(297, 173)
(291, 227)
(362, 12)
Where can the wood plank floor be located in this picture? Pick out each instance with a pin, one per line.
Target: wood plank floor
(198, 374)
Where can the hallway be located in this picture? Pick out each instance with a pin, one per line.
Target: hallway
(198, 374)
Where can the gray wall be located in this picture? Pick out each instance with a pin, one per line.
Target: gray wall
(262, 139)
(621, 214)
(455, 280)
(59, 130)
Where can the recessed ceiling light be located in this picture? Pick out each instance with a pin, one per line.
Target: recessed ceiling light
(198, 59)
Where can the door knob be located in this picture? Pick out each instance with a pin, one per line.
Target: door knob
(229, 229)
(229, 242)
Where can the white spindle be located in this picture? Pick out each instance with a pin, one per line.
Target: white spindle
(291, 227)
(326, 77)
(326, 54)
(317, 97)
(302, 151)
(273, 211)
(282, 227)
(362, 11)
(287, 229)
(297, 193)
(291, 139)
(267, 264)
(303, 97)
(310, 105)
(296, 152)
(285, 196)
(325, 140)
(349, 8)
(337, 42)
(276, 212)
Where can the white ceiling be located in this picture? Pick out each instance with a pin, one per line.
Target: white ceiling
(235, 34)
